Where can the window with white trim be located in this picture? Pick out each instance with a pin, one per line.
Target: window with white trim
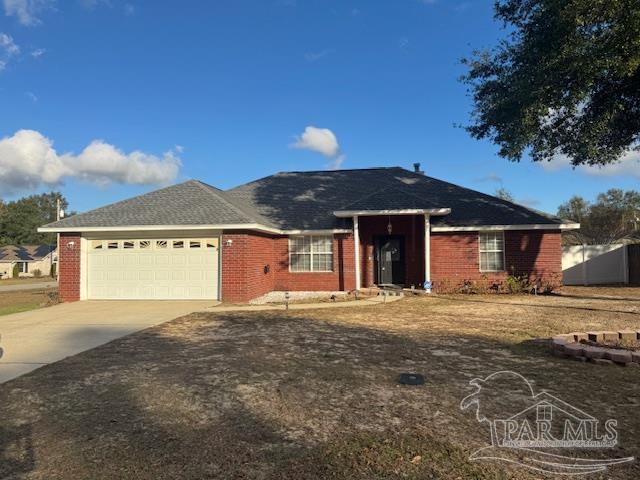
(492, 251)
(23, 267)
(311, 253)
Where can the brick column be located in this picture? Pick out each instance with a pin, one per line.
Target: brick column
(69, 267)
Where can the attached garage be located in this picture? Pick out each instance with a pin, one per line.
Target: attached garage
(153, 269)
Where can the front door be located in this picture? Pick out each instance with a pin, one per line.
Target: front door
(390, 260)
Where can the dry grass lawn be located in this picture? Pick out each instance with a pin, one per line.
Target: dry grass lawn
(23, 300)
(311, 394)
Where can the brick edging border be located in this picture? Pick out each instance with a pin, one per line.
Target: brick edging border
(569, 346)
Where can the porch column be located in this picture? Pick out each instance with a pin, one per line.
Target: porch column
(427, 253)
(356, 241)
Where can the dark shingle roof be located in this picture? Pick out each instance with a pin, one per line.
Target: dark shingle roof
(24, 253)
(307, 201)
(188, 203)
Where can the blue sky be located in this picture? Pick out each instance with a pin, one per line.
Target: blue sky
(223, 91)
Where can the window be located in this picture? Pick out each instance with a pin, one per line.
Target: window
(545, 413)
(211, 243)
(194, 244)
(23, 267)
(178, 244)
(145, 244)
(97, 244)
(128, 244)
(491, 251)
(112, 245)
(161, 244)
(311, 254)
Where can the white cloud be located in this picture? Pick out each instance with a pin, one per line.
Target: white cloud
(8, 46)
(315, 56)
(8, 49)
(32, 96)
(320, 140)
(629, 165)
(324, 141)
(28, 159)
(26, 11)
(38, 52)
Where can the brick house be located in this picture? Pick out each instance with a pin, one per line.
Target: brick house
(302, 231)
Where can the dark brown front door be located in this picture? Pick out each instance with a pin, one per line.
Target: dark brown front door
(390, 263)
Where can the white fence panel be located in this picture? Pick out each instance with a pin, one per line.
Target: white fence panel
(595, 264)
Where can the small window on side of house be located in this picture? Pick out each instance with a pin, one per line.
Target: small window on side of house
(145, 244)
(161, 244)
(112, 245)
(195, 244)
(491, 251)
(178, 244)
(128, 244)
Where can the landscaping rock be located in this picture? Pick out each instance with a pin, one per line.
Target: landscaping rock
(627, 335)
(619, 356)
(574, 349)
(579, 336)
(601, 361)
(594, 353)
(596, 336)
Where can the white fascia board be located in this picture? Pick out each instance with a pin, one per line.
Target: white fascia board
(146, 228)
(537, 226)
(407, 211)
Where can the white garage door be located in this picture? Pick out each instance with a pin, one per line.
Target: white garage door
(143, 269)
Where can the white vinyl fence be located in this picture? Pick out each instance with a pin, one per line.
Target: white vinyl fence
(595, 264)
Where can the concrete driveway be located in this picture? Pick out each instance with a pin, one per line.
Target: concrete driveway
(38, 337)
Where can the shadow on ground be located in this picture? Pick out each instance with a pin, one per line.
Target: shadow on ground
(269, 395)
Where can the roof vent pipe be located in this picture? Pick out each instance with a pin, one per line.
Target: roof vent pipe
(416, 168)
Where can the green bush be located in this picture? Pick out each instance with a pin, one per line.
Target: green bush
(37, 273)
(515, 284)
(16, 271)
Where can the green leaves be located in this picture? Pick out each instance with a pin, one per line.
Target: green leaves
(19, 220)
(565, 80)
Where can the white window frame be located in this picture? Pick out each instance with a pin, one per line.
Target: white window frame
(481, 251)
(311, 253)
(23, 267)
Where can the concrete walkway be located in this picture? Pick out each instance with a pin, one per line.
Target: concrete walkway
(38, 337)
(304, 306)
(16, 287)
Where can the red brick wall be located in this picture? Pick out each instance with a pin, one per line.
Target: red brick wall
(342, 278)
(69, 267)
(456, 256)
(244, 262)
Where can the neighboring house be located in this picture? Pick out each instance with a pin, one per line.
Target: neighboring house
(28, 258)
(301, 231)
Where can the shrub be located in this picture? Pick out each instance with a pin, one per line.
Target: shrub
(481, 287)
(37, 273)
(52, 271)
(16, 271)
(515, 284)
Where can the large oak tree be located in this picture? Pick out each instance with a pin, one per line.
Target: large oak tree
(564, 81)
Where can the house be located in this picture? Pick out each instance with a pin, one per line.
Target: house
(301, 231)
(30, 260)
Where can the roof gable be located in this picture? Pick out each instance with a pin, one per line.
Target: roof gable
(24, 253)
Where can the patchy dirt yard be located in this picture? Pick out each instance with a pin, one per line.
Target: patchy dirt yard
(23, 300)
(312, 394)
